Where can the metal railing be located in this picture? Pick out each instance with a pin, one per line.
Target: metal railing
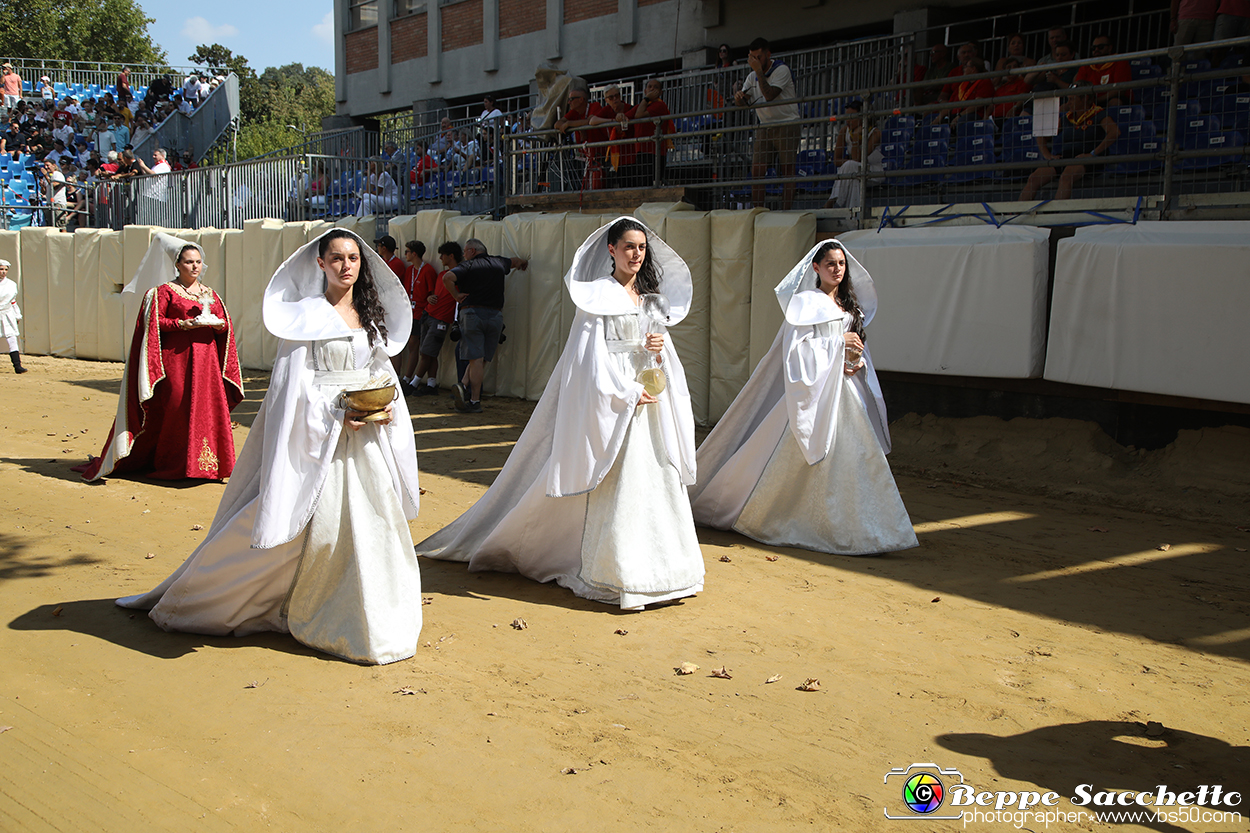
(200, 130)
(101, 73)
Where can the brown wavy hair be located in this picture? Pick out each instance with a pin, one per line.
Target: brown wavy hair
(365, 298)
(649, 276)
(845, 293)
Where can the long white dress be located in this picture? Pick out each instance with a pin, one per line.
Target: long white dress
(618, 529)
(593, 495)
(311, 536)
(799, 459)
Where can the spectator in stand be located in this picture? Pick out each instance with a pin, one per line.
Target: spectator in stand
(1015, 49)
(490, 113)
(188, 164)
(444, 143)
(777, 138)
(192, 89)
(425, 166)
(970, 51)
(1232, 20)
(477, 284)
(848, 155)
(1054, 37)
(1086, 131)
(581, 118)
(46, 90)
(182, 105)
(433, 308)
(650, 149)
(940, 66)
(106, 108)
(141, 132)
(77, 193)
(1106, 71)
(71, 107)
(81, 154)
(380, 194)
(12, 137)
(55, 193)
(967, 91)
(1054, 79)
(11, 84)
(1193, 21)
(58, 150)
(1012, 85)
(724, 57)
(63, 131)
(121, 133)
(577, 167)
(111, 165)
(613, 115)
(124, 94)
(160, 165)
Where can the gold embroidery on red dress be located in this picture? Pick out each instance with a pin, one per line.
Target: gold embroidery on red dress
(208, 460)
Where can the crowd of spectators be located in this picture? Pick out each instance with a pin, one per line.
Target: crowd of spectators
(68, 148)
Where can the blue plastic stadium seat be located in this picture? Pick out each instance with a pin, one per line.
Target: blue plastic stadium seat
(1200, 125)
(933, 133)
(1128, 113)
(928, 159)
(1184, 110)
(894, 155)
(1211, 141)
(901, 122)
(980, 127)
(1233, 60)
(1235, 111)
(812, 165)
(1018, 124)
(972, 150)
(898, 134)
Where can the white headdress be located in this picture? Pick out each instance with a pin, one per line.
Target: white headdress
(154, 268)
(295, 307)
(593, 261)
(800, 306)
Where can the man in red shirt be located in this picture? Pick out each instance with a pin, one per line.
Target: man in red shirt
(645, 172)
(425, 167)
(1106, 71)
(419, 282)
(438, 310)
(386, 246)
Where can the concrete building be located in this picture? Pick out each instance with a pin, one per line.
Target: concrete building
(392, 55)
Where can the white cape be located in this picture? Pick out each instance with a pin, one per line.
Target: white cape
(359, 597)
(590, 463)
(799, 457)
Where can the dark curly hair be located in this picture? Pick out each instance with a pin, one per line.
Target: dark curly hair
(364, 293)
(845, 293)
(649, 276)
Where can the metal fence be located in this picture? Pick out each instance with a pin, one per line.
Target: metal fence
(198, 131)
(99, 74)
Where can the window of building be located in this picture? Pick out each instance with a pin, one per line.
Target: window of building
(405, 7)
(363, 13)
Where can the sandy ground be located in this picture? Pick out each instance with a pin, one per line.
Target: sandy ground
(1066, 592)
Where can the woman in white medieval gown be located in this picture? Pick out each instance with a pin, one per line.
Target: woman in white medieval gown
(311, 536)
(799, 457)
(593, 495)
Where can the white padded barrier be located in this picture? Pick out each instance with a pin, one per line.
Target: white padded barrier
(86, 293)
(511, 362)
(35, 299)
(733, 241)
(781, 239)
(546, 300)
(403, 229)
(110, 316)
(135, 242)
(1159, 307)
(959, 300)
(690, 235)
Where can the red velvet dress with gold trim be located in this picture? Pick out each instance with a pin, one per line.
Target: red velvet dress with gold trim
(173, 417)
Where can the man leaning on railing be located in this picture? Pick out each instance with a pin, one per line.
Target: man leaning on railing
(778, 134)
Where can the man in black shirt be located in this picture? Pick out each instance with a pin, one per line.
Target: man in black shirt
(477, 286)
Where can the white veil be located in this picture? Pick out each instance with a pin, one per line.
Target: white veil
(593, 261)
(803, 303)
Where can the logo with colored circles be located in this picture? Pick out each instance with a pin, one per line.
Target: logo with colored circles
(923, 790)
(923, 793)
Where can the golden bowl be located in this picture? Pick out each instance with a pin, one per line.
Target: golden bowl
(371, 399)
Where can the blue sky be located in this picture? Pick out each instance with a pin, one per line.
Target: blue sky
(269, 33)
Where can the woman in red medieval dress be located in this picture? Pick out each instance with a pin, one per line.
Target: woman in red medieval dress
(181, 380)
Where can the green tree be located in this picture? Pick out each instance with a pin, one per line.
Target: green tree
(108, 31)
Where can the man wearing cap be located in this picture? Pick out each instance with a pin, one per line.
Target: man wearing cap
(386, 247)
(58, 150)
(11, 84)
(63, 131)
(477, 285)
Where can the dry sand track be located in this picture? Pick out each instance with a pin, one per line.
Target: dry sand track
(1019, 644)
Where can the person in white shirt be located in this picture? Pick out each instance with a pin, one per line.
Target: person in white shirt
(381, 194)
(57, 193)
(46, 92)
(104, 140)
(490, 113)
(778, 135)
(63, 131)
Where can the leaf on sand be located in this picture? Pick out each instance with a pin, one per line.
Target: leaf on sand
(255, 684)
(519, 624)
(935, 599)
(722, 673)
(770, 558)
(1240, 549)
(810, 684)
(1164, 547)
(1097, 529)
(774, 678)
(150, 555)
(686, 668)
(568, 770)
(56, 611)
(421, 491)
(197, 526)
(405, 690)
(726, 559)
(4, 729)
(620, 632)
(427, 600)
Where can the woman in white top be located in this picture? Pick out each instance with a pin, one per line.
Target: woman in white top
(311, 536)
(593, 495)
(799, 457)
(380, 194)
(848, 155)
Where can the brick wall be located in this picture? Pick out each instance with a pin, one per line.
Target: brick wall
(462, 25)
(575, 10)
(409, 38)
(362, 50)
(520, 17)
